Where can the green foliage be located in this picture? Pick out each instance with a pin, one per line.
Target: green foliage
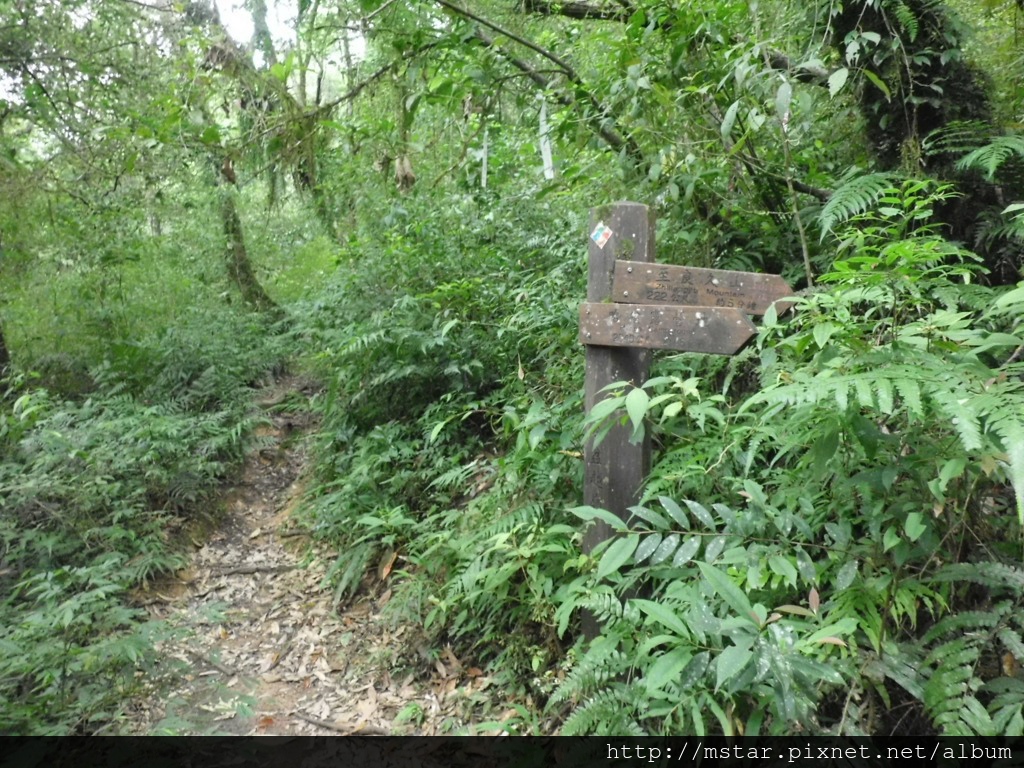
(822, 475)
(970, 668)
(1001, 159)
(856, 195)
(71, 650)
(701, 646)
(907, 19)
(884, 427)
(96, 494)
(993, 155)
(451, 430)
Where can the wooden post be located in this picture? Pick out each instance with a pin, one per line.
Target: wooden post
(634, 306)
(614, 470)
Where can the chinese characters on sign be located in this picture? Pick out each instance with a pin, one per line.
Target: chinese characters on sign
(749, 292)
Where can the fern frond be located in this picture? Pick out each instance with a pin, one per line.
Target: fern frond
(949, 695)
(608, 608)
(608, 712)
(602, 662)
(994, 228)
(1012, 642)
(359, 344)
(872, 389)
(863, 606)
(910, 392)
(455, 478)
(1009, 426)
(997, 576)
(965, 622)
(979, 416)
(957, 644)
(515, 516)
(962, 414)
(908, 21)
(854, 197)
(989, 157)
(956, 138)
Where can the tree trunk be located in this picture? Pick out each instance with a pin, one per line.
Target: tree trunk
(237, 256)
(5, 356)
(261, 32)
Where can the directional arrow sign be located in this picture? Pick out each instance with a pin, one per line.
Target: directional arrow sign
(715, 330)
(750, 292)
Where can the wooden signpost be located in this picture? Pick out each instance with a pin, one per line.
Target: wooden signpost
(751, 292)
(687, 329)
(633, 306)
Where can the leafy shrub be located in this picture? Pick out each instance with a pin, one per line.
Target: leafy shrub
(809, 589)
(451, 426)
(71, 649)
(94, 494)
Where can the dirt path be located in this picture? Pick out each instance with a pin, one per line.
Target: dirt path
(253, 645)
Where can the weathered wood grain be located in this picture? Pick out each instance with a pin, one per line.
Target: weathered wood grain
(751, 292)
(712, 330)
(614, 470)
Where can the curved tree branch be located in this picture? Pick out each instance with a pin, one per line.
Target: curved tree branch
(821, 194)
(600, 120)
(358, 87)
(577, 10)
(600, 116)
(814, 74)
(569, 71)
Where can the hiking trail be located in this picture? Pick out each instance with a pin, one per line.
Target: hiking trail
(251, 641)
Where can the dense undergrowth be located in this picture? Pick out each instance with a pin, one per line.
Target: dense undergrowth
(830, 533)
(99, 490)
(830, 540)
(452, 429)
(835, 545)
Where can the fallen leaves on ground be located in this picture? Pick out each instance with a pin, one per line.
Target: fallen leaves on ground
(254, 648)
